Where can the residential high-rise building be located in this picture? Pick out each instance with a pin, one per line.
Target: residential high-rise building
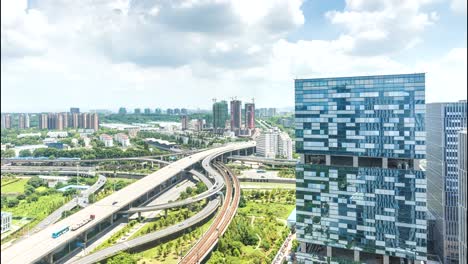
(183, 111)
(122, 110)
(6, 121)
(462, 197)
(220, 115)
(250, 115)
(184, 122)
(21, 121)
(169, 111)
(74, 120)
(236, 115)
(43, 122)
(51, 120)
(137, 111)
(158, 111)
(83, 120)
(65, 120)
(444, 121)
(27, 123)
(176, 111)
(360, 192)
(147, 111)
(74, 110)
(274, 144)
(93, 121)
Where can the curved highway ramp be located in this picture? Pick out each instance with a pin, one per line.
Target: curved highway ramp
(209, 209)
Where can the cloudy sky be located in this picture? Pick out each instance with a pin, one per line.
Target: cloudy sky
(182, 53)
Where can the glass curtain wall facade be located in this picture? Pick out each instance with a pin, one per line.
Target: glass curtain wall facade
(444, 121)
(462, 168)
(360, 193)
(220, 115)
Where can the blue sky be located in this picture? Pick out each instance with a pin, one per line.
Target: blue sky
(182, 53)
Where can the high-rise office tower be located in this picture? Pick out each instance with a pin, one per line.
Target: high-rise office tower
(169, 111)
(43, 122)
(6, 121)
(74, 110)
(158, 111)
(444, 121)
(360, 193)
(220, 115)
(137, 111)
(147, 111)
(176, 111)
(250, 115)
(122, 110)
(184, 122)
(236, 113)
(462, 198)
(21, 121)
(183, 111)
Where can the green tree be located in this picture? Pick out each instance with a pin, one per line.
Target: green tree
(122, 257)
(25, 153)
(12, 202)
(9, 153)
(35, 181)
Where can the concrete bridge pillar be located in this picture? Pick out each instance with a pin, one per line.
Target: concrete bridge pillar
(386, 259)
(139, 216)
(50, 258)
(356, 255)
(329, 251)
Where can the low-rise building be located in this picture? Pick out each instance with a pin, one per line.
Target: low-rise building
(6, 221)
(28, 135)
(122, 139)
(57, 134)
(107, 140)
(27, 147)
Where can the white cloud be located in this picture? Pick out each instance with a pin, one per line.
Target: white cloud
(106, 54)
(446, 78)
(382, 26)
(458, 6)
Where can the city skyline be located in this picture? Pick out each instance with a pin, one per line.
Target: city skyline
(255, 52)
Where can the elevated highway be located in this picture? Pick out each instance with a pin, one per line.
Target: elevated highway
(221, 179)
(279, 162)
(208, 241)
(150, 238)
(41, 246)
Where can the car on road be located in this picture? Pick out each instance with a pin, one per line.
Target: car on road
(114, 203)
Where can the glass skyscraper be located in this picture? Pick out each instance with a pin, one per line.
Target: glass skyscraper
(444, 121)
(360, 192)
(220, 115)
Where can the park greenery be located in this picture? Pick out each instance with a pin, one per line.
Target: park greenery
(258, 229)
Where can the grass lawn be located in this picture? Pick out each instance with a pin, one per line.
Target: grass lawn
(37, 210)
(41, 189)
(15, 187)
